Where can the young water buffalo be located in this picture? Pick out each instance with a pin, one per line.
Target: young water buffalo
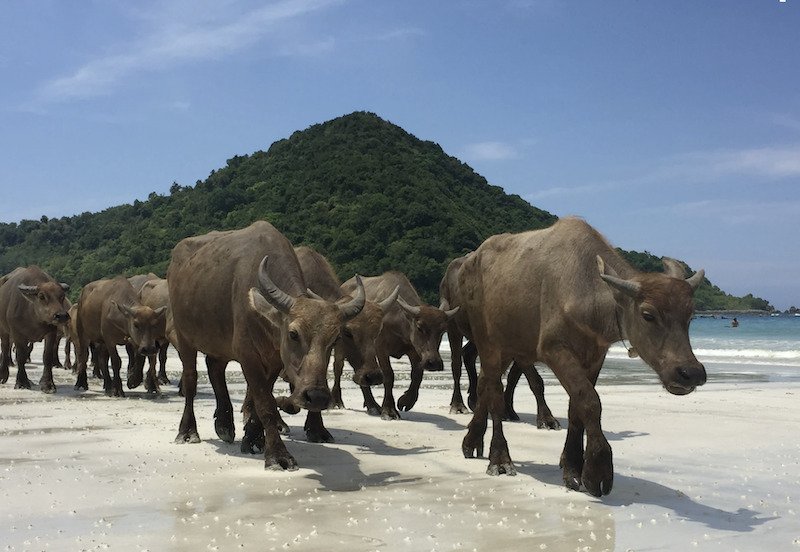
(32, 307)
(410, 328)
(457, 330)
(153, 293)
(562, 296)
(110, 314)
(241, 295)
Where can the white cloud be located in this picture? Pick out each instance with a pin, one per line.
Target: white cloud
(174, 43)
(490, 151)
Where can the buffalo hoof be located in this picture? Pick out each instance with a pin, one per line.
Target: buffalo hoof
(190, 436)
(505, 467)
(225, 430)
(458, 408)
(510, 415)
(336, 402)
(471, 449)
(319, 435)
(4, 377)
(253, 440)
(280, 462)
(133, 383)
(23, 384)
(163, 379)
(407, 401)
(47, 387)
(547, 422)
(598, 472)
(390, 414)
(252, 446)
(373, 409)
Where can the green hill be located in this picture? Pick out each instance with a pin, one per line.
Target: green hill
(362, 191)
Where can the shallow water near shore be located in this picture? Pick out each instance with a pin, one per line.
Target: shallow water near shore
(715, 470)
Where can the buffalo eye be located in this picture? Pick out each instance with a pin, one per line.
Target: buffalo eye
(293, 335)
(347, 333)
(42, 297)
(648, 316)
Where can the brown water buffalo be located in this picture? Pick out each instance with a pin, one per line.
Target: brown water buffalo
(457, 330)
(32, 306)
(240, 295)
(110, 314)
(410, 328)
(153, 293)
(562, 296)
(357, 342)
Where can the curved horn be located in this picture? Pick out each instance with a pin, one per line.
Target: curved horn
(28, 290)
(313, 295)
(124, 309)
(386, 303)
(64, 286)
(625, 286)
(276, 296)
(349, 310)
(673, 268)
(451, 312)
(412, 310)
(696, 279)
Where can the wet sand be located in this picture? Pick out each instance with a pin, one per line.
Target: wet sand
(716, 470)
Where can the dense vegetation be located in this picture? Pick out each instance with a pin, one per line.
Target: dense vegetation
(360, 190)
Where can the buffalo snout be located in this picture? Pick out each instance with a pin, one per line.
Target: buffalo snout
(316, 398)
(433, 365)
(148, 350)
(61, 317)
(686, 378)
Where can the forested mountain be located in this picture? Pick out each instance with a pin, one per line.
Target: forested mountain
(362, 191)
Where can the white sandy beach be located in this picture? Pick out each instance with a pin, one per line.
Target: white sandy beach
(716, 470)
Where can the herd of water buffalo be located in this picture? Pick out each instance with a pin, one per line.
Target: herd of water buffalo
(559, 296)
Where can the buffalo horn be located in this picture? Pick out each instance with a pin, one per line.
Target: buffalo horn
(673, 268)
(626, 286)
(64, 286)
(451, 312)
(276, 297)
(696, 279)
(313, 295)
(386, 303)
(28, 290)
(349, 310)
(412, 310)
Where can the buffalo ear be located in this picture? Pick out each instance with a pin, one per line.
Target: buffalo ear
(264, 308)
(160, 311)
(64, 286)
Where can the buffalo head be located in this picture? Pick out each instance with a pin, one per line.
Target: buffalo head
(49, 301)
(144, 326)
(358, 340)
(427, 326)
(306, 329)
(653, 312)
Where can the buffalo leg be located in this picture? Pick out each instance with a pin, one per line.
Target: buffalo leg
(135, 367)
(22, 375)
(457, 405)
(253, 438)
(338, 368)
(223, 414)
(68, 355)
(315, 429)
(116, 367)
(544, 417)
(162, 364)
(46, 383)
(592, 467)
(81, 361)
(187, 430)
(101, 353)
(261, 381)
(470, 354)
(5, 361)
(408, 399)
(96, 371)
(388, 409)
(511, 384)
(151, 378)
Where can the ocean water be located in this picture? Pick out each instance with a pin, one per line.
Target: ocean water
(760, 349)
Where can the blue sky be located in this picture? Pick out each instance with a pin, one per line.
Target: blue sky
(672, 127)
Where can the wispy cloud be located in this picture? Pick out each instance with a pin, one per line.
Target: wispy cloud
(176, 43)
(490, 151)
(769, 162)
(739, 211)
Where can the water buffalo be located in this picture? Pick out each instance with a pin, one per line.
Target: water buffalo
(457, 330)
(562, 296)
(410, 328)
(357, 342)
(241, 295)
(110, 314)
(153, 293)
(32, 306)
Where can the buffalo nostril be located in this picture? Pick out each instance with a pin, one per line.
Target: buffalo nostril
(684, 374)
